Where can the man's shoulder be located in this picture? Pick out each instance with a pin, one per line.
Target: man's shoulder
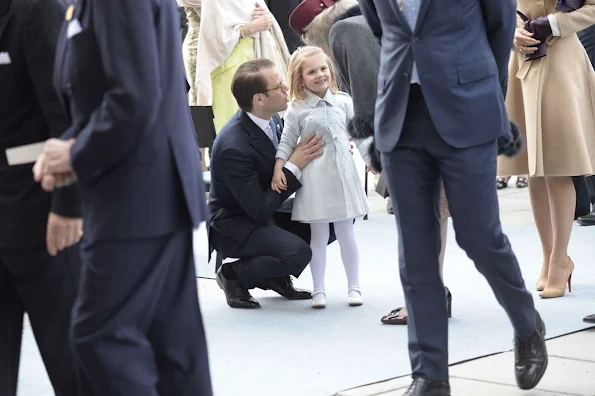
(233, 134)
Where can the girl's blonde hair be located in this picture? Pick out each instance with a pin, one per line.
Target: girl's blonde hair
(296, 89)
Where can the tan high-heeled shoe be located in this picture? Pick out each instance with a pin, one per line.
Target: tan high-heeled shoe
(542, 280)
(553, 292)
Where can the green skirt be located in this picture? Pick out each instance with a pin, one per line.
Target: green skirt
(224, 103)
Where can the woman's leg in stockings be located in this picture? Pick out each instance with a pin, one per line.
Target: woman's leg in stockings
(562, 197)
(443, 237)
(540, 203)
(345, 233)
(318, 242)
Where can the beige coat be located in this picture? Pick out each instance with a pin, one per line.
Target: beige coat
(553, 99)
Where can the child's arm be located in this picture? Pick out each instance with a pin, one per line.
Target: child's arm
(279, 182)
(289, 137)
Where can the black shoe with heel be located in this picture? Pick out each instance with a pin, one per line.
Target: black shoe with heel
(394, 318)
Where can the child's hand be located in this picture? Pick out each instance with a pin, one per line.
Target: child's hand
(279, 182)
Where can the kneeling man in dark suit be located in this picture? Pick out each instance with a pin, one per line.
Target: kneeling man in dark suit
(241, 200)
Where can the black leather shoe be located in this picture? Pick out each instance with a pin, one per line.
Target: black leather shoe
(236, 294)
(424, 387)
(589, 319)
(587, 220)
(530, 357)
(284, 286)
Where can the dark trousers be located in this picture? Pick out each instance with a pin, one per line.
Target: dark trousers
(590, 182)
(270, 252)
(137, 326)
(414, 169)
(45, 287)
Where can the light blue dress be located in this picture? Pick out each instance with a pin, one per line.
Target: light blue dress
(332, 189)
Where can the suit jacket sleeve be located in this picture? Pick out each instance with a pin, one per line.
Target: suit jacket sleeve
(127, 43)
(574, 22)
(369, 11)
(500, 21)
(241, 177)
(41, 34)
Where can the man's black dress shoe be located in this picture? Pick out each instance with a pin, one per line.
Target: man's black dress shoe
(589, 319)
(236, 294)
(284, 286)
(587, 220)
(530, 357)
(424, 387)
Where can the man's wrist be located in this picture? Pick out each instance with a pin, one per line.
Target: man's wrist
(293, 169)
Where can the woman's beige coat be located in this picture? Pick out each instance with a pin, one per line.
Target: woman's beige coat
(553, 99)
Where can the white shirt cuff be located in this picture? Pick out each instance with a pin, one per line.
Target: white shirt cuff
(293, 169)
(554, 25)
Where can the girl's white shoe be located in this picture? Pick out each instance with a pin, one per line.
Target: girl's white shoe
(319, 299)
(354, 297)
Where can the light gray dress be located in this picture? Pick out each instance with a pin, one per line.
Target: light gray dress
(332, 189)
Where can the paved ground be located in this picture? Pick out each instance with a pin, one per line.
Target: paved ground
(571, 370)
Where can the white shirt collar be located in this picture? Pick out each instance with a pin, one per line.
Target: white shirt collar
(262, 124)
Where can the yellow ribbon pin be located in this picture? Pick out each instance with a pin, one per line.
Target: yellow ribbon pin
(69, 13)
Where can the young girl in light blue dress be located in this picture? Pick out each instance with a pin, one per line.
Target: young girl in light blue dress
(332, 191)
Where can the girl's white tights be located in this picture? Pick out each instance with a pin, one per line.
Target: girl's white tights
(344, 231)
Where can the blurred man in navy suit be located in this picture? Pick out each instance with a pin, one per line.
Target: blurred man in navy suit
(137, 327)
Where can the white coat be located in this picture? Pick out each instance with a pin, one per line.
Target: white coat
(332, 190)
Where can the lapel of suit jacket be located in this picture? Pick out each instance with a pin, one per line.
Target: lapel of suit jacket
(260, 141)
(400, 16)
(423, 9)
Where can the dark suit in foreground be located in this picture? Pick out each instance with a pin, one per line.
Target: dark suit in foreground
(446, 127)
(137, 324)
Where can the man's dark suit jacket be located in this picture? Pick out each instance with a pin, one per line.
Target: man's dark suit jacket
(462, 67)
(135, 154)
(241, 199)
(30, 112)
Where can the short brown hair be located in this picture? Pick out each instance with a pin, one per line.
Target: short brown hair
(296, 90)
(248, 81)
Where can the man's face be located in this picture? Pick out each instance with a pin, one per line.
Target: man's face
(275, 98)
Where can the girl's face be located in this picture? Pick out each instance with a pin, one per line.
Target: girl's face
(316, 74)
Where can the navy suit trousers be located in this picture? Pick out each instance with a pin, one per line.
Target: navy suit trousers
(137, 326)
(414, 169)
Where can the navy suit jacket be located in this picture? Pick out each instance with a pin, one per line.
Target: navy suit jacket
(241, 198)
(461, 49)
(136, 157)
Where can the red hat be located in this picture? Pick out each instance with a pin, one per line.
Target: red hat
(304, 14)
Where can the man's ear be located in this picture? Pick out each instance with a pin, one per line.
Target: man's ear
(257, 100)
